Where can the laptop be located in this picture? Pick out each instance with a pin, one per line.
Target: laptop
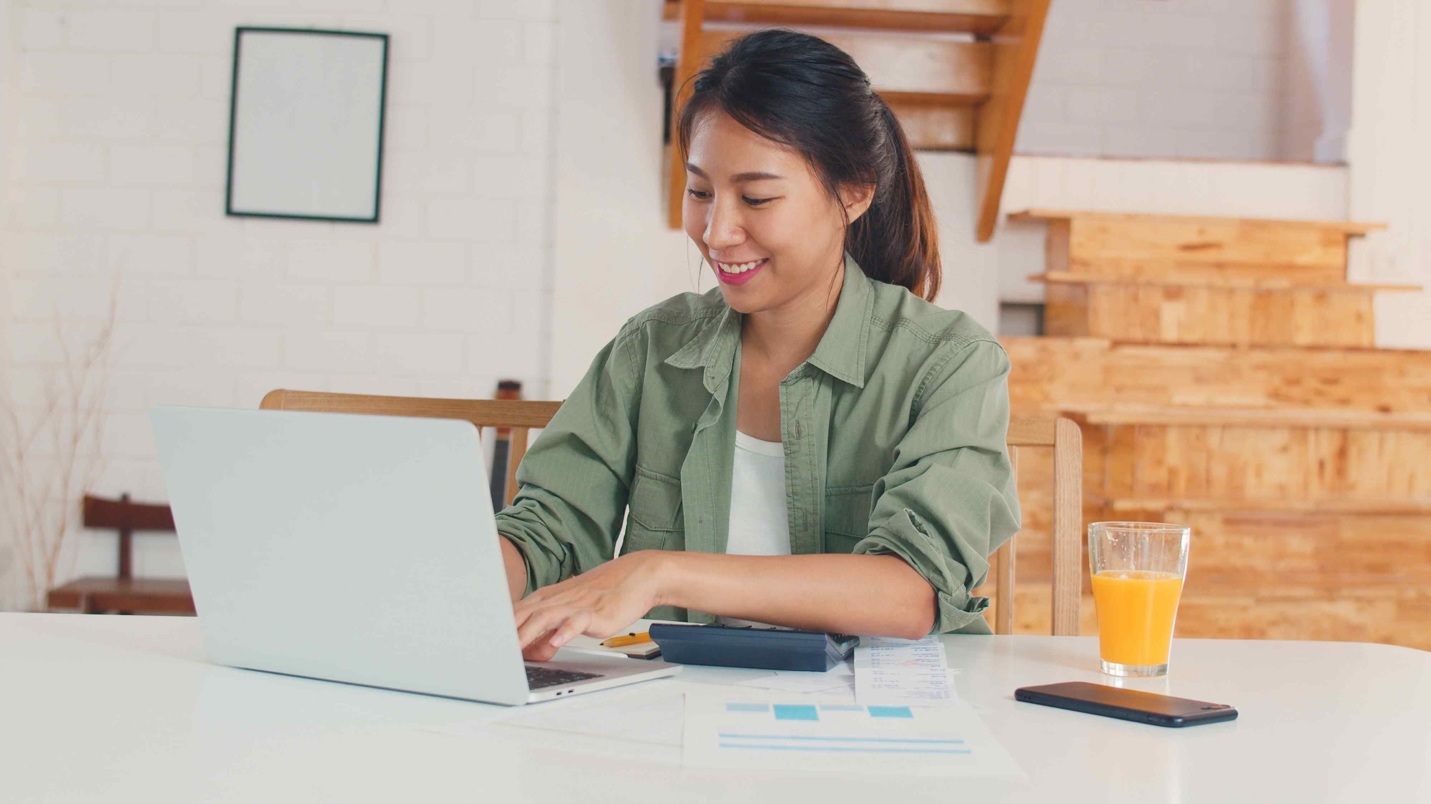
(356, 548)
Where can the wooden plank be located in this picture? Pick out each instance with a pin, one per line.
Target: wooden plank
(978, 17)
(934, 127)
(1016, 51)
(1190, 314)
(1320, 251)
(1348, 228)
(1271, 466)
(903, 68)
(480, 412)
(1252, 417)
(1053, 374)
(1268, 277)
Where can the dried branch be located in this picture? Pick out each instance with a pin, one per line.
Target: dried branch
(43, 491)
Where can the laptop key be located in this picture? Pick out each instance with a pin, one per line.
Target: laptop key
(542, 677)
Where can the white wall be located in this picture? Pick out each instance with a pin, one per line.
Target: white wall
(1391, 164)
(121, 120)
(1159, 78)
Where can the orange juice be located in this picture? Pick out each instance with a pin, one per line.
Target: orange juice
(1135, 615)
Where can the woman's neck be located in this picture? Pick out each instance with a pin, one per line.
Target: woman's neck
(786, 336)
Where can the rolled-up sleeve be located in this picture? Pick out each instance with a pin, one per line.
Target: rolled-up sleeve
(576, 478)
(949, 499)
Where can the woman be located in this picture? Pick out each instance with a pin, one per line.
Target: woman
(812, 444)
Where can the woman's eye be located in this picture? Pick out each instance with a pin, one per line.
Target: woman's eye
(698, 194)
(755, 202)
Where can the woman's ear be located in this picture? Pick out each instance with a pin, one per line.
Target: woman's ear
(856, 199)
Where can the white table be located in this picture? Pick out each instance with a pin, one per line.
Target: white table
(96, 708)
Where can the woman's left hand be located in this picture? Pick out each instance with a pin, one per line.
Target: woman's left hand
(597, 603)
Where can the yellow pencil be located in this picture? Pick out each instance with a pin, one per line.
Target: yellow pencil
(629, 639)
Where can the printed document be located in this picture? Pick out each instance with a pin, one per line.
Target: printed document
(796, 733)
(902, 672)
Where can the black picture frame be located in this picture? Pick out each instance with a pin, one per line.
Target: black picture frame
(301, 176)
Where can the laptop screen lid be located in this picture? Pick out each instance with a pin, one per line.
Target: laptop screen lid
(346, 547)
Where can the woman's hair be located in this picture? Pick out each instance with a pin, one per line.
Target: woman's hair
(809, 95)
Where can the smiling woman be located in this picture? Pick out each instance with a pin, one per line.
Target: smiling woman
(811, 444)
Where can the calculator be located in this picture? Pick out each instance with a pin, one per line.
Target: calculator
(765, 648)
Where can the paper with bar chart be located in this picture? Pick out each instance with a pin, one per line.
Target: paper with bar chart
(796, 733)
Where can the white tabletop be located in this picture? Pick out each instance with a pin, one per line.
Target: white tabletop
(96, 708)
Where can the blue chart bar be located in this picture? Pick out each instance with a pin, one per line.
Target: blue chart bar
(890, 711)
(791, 712)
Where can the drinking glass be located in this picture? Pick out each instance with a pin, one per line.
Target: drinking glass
(1138, 570)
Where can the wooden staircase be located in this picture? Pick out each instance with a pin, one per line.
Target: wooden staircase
(955, 72)
(1224, 377)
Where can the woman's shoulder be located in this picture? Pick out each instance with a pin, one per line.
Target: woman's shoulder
(899, 312)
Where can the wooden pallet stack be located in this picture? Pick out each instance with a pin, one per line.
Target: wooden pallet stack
(1225, 376)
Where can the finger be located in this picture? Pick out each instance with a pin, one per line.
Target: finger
(542, 622)
(539, 652)
(574, 625)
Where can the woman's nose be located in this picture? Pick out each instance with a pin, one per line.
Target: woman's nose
(723, 229)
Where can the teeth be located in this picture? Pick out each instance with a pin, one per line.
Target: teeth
(738, 267)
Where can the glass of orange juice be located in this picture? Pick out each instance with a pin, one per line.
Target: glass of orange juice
(1138, 570)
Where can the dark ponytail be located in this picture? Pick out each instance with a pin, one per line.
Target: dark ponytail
(809, 95)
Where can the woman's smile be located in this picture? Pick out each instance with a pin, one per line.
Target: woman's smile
(738, 273)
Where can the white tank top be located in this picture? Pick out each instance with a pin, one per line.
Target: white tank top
(759, 525)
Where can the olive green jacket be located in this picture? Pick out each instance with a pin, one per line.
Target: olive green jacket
(894, 432)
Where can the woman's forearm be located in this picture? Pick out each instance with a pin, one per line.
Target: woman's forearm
(852, 594)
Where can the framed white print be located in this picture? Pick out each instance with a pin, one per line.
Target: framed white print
(306, 124)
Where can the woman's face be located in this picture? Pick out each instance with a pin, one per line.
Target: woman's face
(761, 217)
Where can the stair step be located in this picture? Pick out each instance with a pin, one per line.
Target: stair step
(978, 17)
(1169, 245)
(903, 68)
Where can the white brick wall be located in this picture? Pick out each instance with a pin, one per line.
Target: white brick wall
(118, 121)
(1159, 78)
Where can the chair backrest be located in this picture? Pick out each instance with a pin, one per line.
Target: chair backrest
(1066, 440)
(1059, 434)
(127, 517)
(521, 416)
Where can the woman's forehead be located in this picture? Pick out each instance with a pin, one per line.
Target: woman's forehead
(720, 147)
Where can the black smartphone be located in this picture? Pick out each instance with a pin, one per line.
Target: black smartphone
(1135, 705)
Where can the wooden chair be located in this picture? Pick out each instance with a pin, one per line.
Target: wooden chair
(1061, 434)
(521, 416)
(1065, 439)
(125, 593)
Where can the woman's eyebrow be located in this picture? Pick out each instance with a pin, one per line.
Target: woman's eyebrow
(754, 175)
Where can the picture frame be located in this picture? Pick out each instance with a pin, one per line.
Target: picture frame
(306, 124)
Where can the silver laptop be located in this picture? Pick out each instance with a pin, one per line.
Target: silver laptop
(356, 548)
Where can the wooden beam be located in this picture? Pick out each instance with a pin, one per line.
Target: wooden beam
(1346, 227)
(1251, 283)
(688, 62)
(978, 17)
(1016, 50)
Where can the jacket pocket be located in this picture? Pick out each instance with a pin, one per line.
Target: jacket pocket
(847, 517)
(654, 513)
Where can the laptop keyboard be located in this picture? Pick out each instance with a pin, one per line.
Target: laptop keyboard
(542, 677)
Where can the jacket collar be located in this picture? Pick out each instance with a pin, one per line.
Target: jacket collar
(840, 353)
